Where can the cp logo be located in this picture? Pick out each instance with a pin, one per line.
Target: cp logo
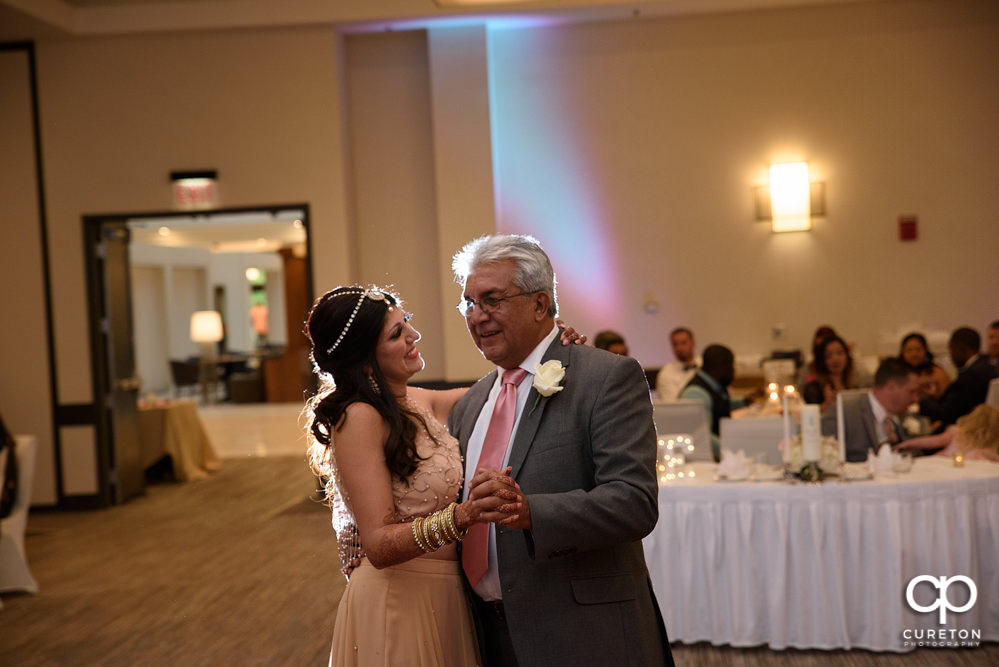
(943, 601)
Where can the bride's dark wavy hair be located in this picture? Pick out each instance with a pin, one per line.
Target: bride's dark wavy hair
(344, 376)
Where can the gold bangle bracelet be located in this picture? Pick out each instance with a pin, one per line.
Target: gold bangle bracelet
(426, 528)
(435, 530)
(451, 522)
(459, 534)
(417, 533)
(449, 531)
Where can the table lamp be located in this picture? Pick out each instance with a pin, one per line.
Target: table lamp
(206, 329)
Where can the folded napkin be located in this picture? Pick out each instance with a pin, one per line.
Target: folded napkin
(734, 465)
(882, 462)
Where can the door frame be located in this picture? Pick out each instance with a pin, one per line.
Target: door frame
(99, 416)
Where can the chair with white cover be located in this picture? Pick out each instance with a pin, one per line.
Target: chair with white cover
(992, 399)
(686, 416)
(14, 572)
(753, 435)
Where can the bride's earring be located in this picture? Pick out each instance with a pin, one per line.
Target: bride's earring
(374, 385)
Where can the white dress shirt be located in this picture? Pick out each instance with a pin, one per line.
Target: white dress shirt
(673, 377)
(489, 586)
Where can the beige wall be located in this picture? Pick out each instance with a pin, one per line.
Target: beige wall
(118, 114)
(630, 149)
(25, 398)
(392, 176)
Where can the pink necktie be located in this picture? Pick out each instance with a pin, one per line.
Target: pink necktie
(475, 547)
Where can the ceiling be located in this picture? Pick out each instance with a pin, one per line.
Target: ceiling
(35, 20)
(223, 232)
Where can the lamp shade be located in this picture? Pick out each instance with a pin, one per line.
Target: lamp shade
(206, 326)
(789, 197)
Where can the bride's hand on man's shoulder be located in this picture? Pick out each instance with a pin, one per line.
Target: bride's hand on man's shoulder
(569, 335)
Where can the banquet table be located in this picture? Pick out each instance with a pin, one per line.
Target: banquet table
(173, 428)
(827, 565)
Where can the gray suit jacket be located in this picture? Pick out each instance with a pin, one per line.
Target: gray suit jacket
(575, 588)
(858, 425)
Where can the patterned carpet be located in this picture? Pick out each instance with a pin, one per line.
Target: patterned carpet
(237, 569)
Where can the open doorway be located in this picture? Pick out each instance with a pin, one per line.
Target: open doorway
(149, 275)
(249, 267)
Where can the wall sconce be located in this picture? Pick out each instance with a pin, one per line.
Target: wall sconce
(206, 329)
(791, 200)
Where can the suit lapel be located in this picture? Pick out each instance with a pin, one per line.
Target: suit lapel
(530, 420)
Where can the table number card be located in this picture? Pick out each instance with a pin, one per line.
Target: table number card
(810, 432)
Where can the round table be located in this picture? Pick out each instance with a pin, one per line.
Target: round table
(827, 565)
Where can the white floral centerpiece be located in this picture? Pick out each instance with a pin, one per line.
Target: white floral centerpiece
(828, 462)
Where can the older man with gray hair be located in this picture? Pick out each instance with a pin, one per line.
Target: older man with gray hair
(565, 581)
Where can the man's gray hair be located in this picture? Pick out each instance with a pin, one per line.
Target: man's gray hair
(533, 272)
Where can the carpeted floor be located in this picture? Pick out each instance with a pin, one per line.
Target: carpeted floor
(238, 569)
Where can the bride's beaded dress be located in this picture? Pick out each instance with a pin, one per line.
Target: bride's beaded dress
(413, 613)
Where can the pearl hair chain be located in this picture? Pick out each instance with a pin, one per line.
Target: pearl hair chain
(373, 294)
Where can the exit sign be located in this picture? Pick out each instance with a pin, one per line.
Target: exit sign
(194, 189)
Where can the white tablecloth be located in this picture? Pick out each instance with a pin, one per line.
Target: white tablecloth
(825, 565)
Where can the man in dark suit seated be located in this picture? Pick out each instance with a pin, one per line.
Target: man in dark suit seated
(874, 418)
(970, 388)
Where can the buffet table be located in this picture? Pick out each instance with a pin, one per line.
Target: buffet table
(826, 565)
(173, 428)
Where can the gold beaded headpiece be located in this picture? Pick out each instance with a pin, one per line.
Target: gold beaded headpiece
(373, 294)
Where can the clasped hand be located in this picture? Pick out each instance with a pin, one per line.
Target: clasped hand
(494, 497)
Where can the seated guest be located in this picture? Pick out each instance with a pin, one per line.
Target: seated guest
(972, 384)
(807, 371)
(974, 436)
(675, 375)
(933, 380)
(833, 372)
(874, 418)
(710, 386)
(992, 343)
(611, 341)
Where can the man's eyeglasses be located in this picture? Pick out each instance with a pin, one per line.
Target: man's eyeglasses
(487, 304)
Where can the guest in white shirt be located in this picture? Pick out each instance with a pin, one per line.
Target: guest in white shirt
(675, 375)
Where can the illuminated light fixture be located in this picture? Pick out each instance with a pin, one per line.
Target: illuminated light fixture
(194, 189)
(163, 231)
(253, 274)
(791, 200)
(206, 329)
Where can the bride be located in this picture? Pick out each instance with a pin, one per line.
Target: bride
(393, 476)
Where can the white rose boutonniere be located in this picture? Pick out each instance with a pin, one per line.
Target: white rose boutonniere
(547, 377)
